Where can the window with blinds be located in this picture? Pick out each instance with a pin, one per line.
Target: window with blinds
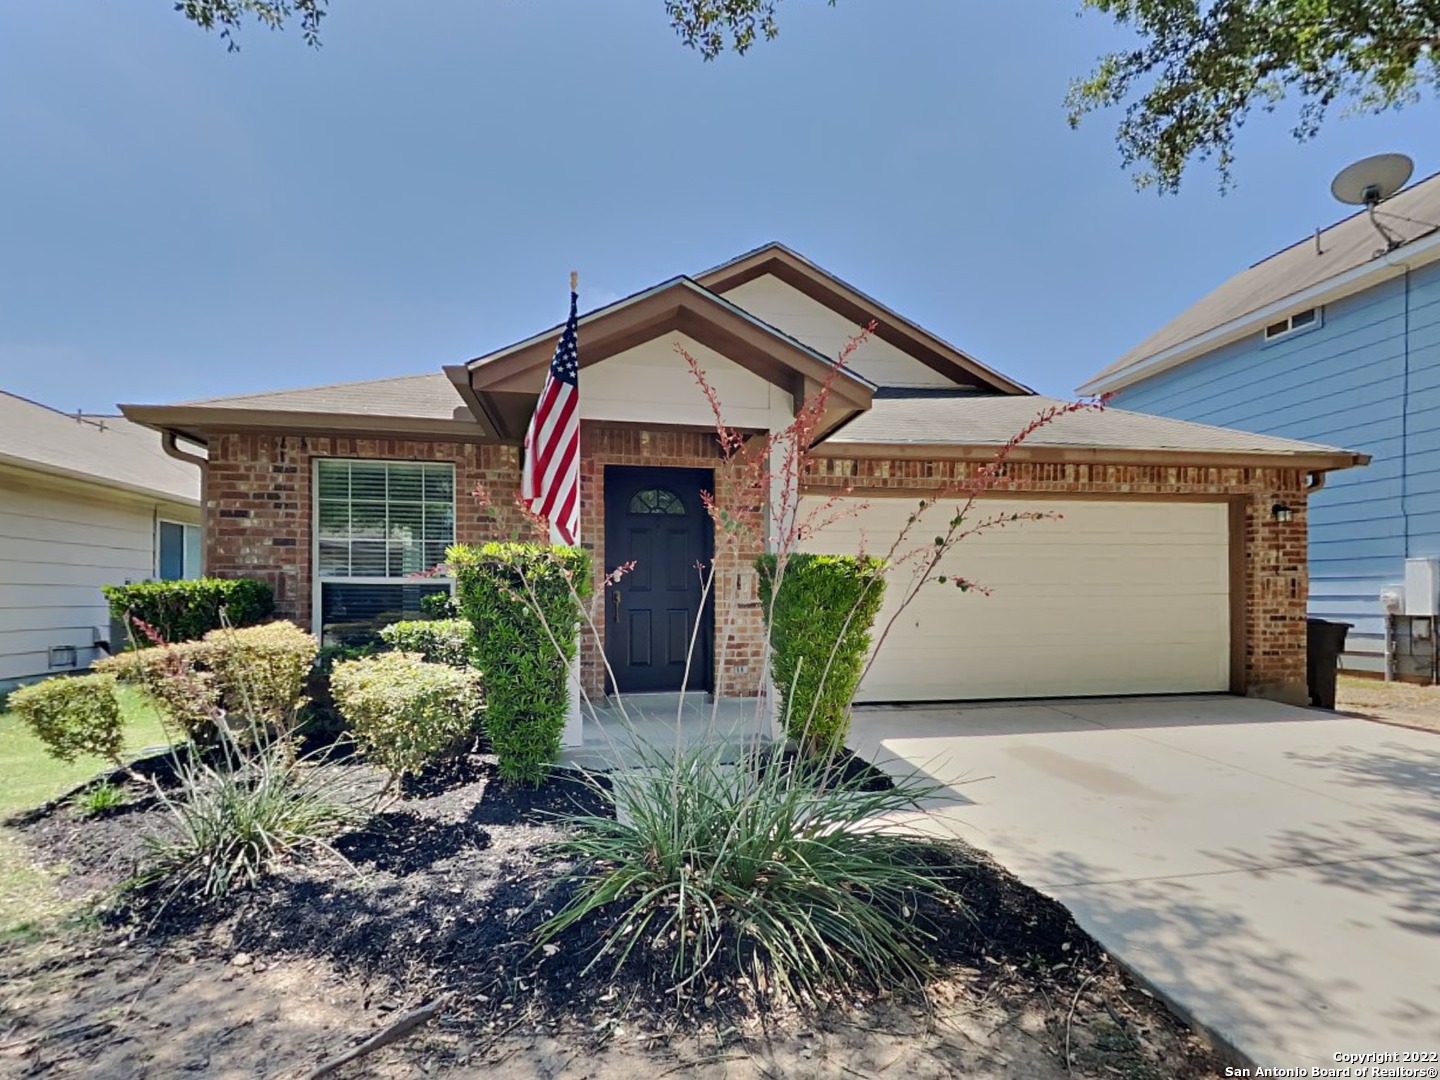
(377, 525)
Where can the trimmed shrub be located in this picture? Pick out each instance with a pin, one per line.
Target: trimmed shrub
(169, 675)
(523, 601)
(250, 676)
(404, 712)
(438, 605)
(188, 610)
(819, 636)
(73, 716)
(261, 672)
(440, 641)
(769, 868)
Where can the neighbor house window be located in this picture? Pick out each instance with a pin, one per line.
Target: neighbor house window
(1301, 320)
(378, 524)
(177, 551)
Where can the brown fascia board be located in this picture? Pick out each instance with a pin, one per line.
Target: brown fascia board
(195, 423)
(1317, 461)
(676, 306)
(820, 285)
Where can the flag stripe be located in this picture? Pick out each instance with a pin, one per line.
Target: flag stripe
(550, 480)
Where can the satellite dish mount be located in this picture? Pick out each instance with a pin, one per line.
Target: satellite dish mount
(1371, 181)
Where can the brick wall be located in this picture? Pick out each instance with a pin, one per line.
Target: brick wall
(258, 521)
(258, 509)
(1270, 607)
(739, 624)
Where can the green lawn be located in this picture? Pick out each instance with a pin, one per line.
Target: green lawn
(29, 777)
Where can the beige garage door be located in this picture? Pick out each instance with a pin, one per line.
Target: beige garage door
(1111, 598)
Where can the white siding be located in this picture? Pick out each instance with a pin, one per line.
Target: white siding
(651, 383)
(59, 543)
(1110, 598)
(788, 309)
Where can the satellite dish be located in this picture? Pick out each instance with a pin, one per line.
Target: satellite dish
(1372, 179)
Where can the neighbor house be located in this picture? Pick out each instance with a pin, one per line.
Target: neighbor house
(1167, 567)
(85, 501)
(1335, 339)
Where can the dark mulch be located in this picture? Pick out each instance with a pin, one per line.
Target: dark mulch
(445, 890)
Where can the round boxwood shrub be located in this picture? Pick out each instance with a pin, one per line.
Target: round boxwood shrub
(440, 641)
(73, 716)
(523, 601)
(820, 625)
(404, 712)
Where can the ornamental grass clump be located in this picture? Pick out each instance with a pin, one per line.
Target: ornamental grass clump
(776, 869)
(237, 814)
(405, 712)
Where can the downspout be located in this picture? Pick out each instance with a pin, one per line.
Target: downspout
(168, 444)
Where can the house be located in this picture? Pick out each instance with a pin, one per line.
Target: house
(1168, 569)
(1336, 339)
(85, 501)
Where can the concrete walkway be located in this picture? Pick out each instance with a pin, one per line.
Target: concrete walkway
(1275, 871)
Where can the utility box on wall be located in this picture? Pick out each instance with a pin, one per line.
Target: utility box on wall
(1422, 586)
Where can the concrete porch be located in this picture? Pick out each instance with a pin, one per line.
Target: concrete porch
(614, 726)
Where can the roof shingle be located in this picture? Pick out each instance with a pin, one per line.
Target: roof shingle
(944, 418)
(105, 450)
(1347, 245)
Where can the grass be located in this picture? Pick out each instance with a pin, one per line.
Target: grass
(1398, 702)
(30, 777)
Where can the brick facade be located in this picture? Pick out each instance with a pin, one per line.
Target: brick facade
(259, 512)
(258, 523)
(1270, 579)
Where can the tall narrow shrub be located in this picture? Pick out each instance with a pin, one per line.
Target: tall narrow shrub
(523, 601)
(820, 619)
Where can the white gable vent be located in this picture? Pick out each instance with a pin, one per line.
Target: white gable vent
(1301, 320)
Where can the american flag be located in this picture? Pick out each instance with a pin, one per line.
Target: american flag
(550, 482)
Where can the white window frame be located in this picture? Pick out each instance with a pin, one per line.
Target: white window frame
(317, 582)
(186, 573)
(1290, 328)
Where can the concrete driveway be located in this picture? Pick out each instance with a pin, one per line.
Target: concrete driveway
(1275, 871)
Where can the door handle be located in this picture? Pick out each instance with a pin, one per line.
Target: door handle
(615, 599)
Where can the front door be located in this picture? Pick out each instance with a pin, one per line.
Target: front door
(654, 517)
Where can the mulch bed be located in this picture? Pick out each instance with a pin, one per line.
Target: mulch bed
(443, 892)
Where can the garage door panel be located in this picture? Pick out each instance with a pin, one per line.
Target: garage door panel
(1109, 598)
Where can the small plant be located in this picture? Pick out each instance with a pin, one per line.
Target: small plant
(439, 641)
(231, 822)
(524, 602)
(404, 712)
(99, 799)
(820, 624)
(188, 610)
(74, 716)
(776, 869)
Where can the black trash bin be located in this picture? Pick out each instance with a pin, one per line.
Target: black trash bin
(1324, 642)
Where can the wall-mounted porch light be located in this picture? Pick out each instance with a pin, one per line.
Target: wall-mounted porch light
(1282, 513)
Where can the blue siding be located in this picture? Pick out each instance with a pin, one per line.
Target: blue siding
(1368, 380)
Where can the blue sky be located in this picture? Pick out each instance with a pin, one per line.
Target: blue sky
(178, 222)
